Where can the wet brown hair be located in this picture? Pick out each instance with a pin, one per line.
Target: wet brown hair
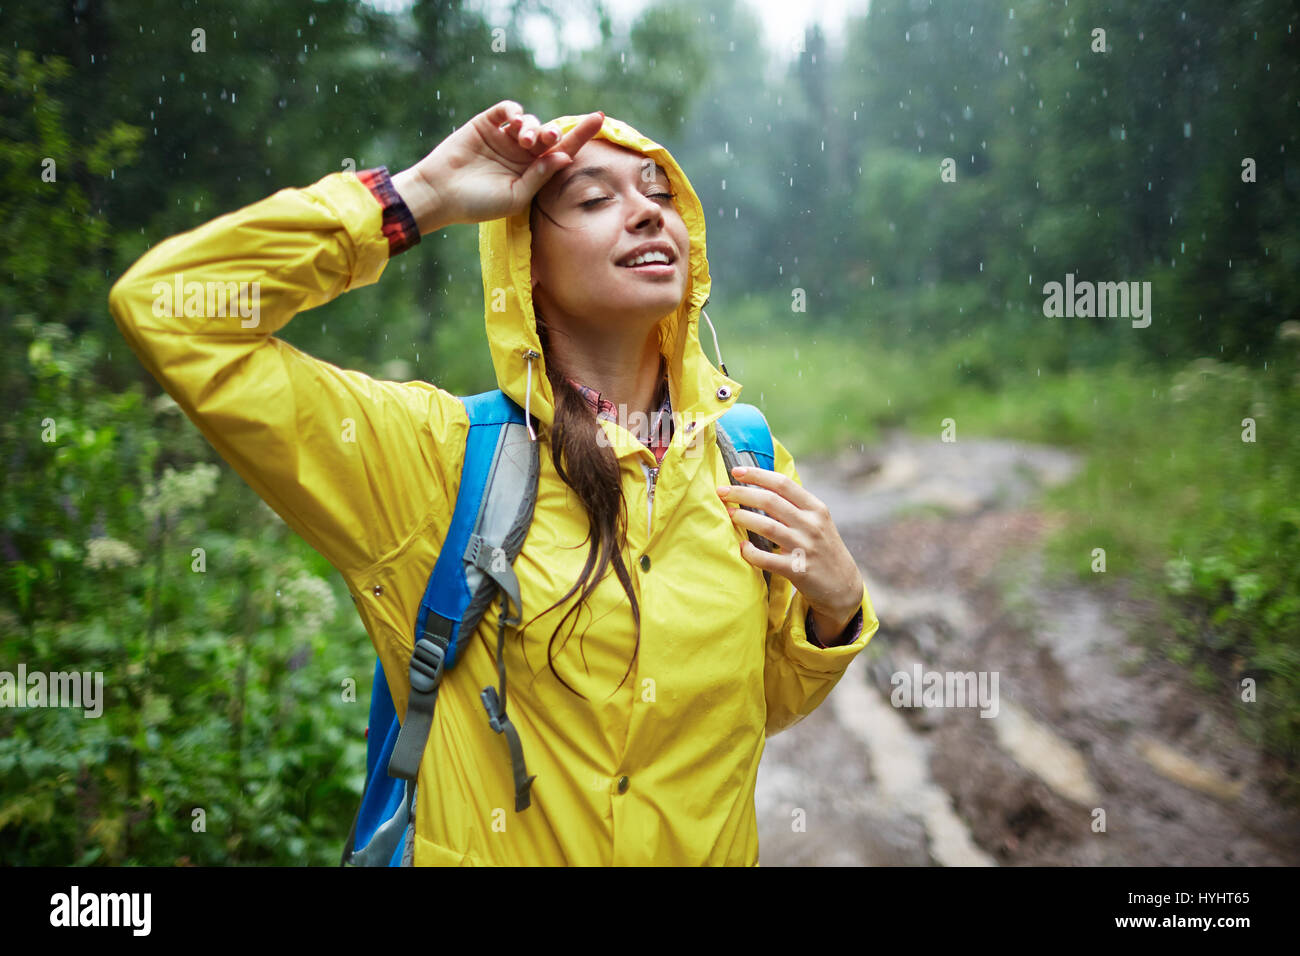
(591, 469)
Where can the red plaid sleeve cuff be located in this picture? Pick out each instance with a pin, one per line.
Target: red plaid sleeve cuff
(399, 224)
(851, 632)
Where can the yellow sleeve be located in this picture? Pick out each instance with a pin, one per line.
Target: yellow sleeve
(351, 463)
(798, 675)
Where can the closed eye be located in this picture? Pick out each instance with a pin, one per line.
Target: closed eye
(592, 202)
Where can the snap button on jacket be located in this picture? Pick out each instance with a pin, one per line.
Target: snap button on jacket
(656, 770)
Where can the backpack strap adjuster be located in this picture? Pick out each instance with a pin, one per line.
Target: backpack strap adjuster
(426, 674)
(426, 666)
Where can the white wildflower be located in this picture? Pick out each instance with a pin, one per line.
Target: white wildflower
(164, 403)
(308, 601)
(396, 370)
(177, 490)
(110, 553)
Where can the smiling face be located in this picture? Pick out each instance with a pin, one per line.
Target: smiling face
(607, 204)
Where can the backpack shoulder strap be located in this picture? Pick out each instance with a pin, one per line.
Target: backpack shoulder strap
(744, 438)
(750, 434)
(494, 508)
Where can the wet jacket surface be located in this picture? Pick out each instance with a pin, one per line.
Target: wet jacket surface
(659, 770)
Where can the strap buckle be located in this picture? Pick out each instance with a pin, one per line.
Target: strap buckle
(426, 666)
(492, 704)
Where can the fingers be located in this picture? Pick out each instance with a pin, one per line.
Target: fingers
(775, 493)
(781, 564)
(521, 128)
(504, 113)
(577, 137)
(779, 534)
(779, 508)
(530, 134)
(542, 169)
(525, 129)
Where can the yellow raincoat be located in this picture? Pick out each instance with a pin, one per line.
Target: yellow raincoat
(658, 771)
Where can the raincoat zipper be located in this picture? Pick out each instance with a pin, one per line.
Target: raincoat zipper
(651, 476)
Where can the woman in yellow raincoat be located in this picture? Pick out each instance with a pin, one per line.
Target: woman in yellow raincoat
(645, 733)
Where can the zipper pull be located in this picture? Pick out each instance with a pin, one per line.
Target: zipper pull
(652, 476)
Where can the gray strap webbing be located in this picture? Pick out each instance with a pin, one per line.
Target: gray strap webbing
(426, 675)
(480, 553)
(494, 702)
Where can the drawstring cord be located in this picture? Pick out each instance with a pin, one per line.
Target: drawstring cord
(528, 393)
(716, 350)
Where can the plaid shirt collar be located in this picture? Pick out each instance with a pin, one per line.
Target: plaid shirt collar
(661, 425)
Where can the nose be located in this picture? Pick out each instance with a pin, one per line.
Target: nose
(647, 211)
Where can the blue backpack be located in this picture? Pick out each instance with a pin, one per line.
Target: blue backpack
(494, 508)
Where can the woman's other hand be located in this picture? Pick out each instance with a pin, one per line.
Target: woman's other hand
(813, 556)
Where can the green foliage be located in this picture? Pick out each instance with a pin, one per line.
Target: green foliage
(48, 228)
(223, 668)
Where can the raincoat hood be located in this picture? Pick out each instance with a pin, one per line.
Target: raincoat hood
(505, 251)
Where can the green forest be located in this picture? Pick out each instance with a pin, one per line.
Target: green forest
(888, 205)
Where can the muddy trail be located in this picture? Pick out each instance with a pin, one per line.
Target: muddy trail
(1090, 728)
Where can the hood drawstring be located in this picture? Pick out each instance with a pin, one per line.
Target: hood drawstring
(528, 392)
(533, 354)
(716, 350)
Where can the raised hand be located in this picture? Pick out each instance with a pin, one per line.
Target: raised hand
(490, 168)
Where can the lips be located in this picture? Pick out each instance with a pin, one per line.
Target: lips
(654, 270)
(645, 249)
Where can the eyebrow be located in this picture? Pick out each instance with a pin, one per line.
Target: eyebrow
(598, 172)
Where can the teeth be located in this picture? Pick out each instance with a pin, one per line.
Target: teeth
(648, 257)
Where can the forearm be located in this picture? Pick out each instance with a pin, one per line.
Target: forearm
(231, 283)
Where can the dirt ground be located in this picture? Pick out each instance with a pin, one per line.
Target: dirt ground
(1099, 752)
